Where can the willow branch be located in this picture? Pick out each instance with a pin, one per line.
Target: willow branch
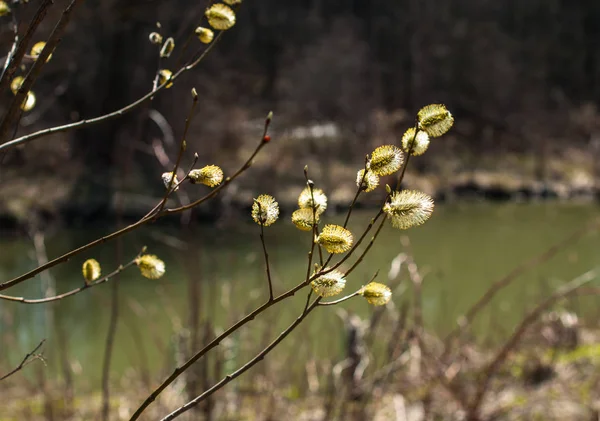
(65, 257)
(266, 254)
(182, 146)
(259, 357)
(106, 117)
(31, 356)
(73, 291)
(358, 192)
(339, 300)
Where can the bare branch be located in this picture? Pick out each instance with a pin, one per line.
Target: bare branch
(73, 291)
(30, 357)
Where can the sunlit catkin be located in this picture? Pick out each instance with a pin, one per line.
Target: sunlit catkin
(205, 35)
(335, 239)
(408, 208)
(435, 119)
(220, 16)
(304, 219)
(210, 176)
(265, 210)
(386, 160)
(16, 83)
(376, 294)
(368, 182)
(305, 200)
(329, 284)
(232, 2)
(167, 177)
(91, 270)
(28, 102)
(417, 145)
(150, 266)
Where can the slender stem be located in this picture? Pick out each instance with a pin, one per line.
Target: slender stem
(408, 155)
(251, 316)
(347, 297)
(364, 253)
(214, 343)
(315, 230)
(182, 147)
(65, 257)
(31, 356)
(358, 192)
(264, 246)
(84, 123)
(259, 357)
(310, 291)
(73, 291)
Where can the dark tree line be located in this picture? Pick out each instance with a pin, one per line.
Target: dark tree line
(514, 73)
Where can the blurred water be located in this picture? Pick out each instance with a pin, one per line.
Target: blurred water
(461, 251)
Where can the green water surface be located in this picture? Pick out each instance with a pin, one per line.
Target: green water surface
(461, 251)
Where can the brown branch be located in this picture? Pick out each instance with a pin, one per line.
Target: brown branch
(73, 291)
(88, 122)
(259, 357)
(30, 357)
(251, 316)
(562, 292)
(65, 257)
(266, 254)
(14, 61)
(53, 40)
(182, 146)
(511, 276)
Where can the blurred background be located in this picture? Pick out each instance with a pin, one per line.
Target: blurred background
(521, 78)
(518, 172)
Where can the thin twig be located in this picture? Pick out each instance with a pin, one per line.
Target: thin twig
(259, 357)
(249, 317)
(264, 247)
(339, 300)
(561, 292)
(65, 257)
(73, 291)
(182, 147)
(85, 123)
(30, 357)
(408, 154)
